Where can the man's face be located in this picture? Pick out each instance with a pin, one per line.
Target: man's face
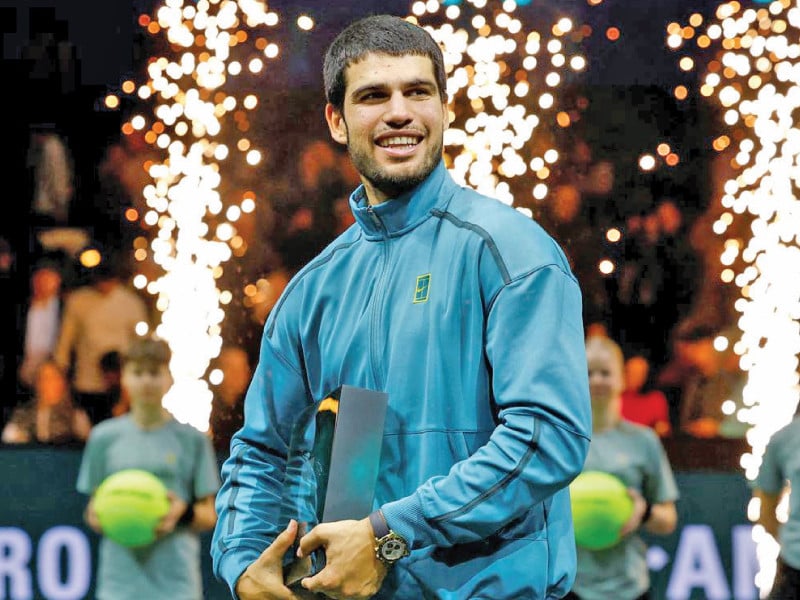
(392, 121)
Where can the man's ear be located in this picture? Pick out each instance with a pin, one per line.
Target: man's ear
(336, 124)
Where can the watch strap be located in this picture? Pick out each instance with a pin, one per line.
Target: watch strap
(379, 526)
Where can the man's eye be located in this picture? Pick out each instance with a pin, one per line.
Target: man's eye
(372, 96)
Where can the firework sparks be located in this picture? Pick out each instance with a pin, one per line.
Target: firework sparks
(199, 124)
(503, 82)
(754, 78)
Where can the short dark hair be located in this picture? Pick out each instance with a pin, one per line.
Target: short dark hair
(148, 351)
(378, 34)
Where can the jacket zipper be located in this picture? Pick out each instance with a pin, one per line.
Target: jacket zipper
(378, 297)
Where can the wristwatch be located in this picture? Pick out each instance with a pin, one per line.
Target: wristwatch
(389, 546)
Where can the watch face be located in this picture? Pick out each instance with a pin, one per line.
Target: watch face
(393, 550)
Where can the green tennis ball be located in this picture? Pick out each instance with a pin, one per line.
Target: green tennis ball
(600, 506)
(129, 504)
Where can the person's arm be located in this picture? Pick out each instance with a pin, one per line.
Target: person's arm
(68, 332)
(770, 483)
(767, 516)
(654, 507)
(205, 515)
(90, 517)
(91, 474)
(663, 518)
(248, 502)
(659, 518)
(662, 426)
(81, 424)
(535, 345)
(200, 515)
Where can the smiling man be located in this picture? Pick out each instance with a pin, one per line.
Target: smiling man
(466, 314)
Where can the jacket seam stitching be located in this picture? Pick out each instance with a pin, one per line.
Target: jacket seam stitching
(495, 252)
(292, 284)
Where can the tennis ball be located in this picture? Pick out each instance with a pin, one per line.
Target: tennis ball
(600, 506)
(129, 504)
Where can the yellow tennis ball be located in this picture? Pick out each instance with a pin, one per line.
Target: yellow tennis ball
(600, 507)
(129, 504)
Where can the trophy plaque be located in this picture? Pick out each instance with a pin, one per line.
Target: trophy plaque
(332, 467)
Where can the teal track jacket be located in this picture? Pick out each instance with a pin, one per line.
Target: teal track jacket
(467, 314)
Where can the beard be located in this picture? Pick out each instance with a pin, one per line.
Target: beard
(389, 183)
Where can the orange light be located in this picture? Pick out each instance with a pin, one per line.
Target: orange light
(612, 33)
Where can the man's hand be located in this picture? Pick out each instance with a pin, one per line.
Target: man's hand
(177, 506)
(351, 567)
(263, 579)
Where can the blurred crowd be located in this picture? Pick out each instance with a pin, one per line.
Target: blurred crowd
(74, 320)
(640, 247)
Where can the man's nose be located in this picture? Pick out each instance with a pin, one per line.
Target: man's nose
(398, 111)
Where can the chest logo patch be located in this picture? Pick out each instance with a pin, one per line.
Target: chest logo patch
(422, 289)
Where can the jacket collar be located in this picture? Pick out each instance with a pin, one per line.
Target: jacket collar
(399, 215)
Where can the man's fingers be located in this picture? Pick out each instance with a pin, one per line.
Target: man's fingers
(311, 541)
(281, 543)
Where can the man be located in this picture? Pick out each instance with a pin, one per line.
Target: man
(150, 438)
(466, 314)
(781, 466)
(99, 317)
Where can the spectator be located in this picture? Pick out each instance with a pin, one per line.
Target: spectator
(227, 407)
(98, 318)
(641, 403)
(42, 320)
(705, 379)
(150, 438)
(634, 454)
(778, 475)
(49, 417)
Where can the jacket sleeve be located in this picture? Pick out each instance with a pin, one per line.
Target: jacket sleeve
(535, 350)
(248, 502)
